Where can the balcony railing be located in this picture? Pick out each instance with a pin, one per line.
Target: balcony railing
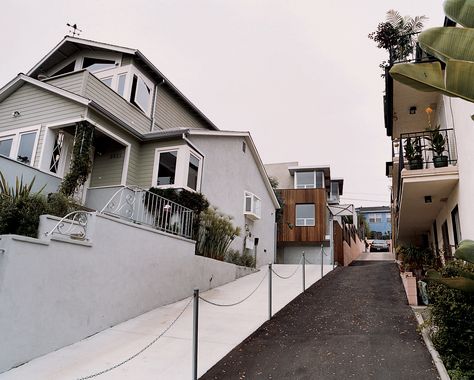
(144, 207)
(423, 140)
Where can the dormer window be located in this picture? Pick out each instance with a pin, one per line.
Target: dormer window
(141, 93)
(309, 180)
(96, 64)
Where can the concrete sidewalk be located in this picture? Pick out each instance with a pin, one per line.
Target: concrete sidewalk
(220, 330)
(354, 324)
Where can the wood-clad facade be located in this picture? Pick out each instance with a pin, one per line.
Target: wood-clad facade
(288, 231)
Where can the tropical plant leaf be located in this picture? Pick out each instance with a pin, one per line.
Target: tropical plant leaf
(448, 43)
(465, 251)
(460, 11)
(433, 274)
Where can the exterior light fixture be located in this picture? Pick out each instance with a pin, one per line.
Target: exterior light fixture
(16, 114)
(428, 199)
(412, 110)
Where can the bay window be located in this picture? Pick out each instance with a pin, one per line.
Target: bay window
(252, 206)
(309, 180)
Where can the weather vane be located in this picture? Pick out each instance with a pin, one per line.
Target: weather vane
(75, 31)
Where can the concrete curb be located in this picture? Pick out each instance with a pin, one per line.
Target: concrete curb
(443, 373)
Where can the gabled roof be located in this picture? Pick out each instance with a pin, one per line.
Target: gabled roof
(253, 149)
(69, 45)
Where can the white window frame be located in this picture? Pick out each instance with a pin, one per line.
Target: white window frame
(255, 211)
(182, 167)
(15, 134)
(377, 218)
(305, 221)
(309, 186)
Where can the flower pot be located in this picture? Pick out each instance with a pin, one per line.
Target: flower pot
(415, 164)
(440, 161)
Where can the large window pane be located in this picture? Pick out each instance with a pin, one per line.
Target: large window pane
(193, 172)
(305, 215)
(320, 180)
(96, 64)
(6, 147)
(25, 150)
(140, 95)
(121, 84)
(107, 81)
(304, 180)
(167, 168)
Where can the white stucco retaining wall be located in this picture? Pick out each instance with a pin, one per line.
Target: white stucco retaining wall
(54, 293)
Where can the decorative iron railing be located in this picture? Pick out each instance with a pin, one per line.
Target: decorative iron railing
(73, 225)
(144, 207)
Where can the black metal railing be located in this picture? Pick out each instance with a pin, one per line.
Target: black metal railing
(414, 55)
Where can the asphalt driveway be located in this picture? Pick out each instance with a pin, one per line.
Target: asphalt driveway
(353, 324)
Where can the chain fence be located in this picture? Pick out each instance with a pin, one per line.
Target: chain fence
(238, 302)
(291, 275)
(142, 350)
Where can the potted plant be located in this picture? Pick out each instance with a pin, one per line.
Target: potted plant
(413, 153)
(438, 146)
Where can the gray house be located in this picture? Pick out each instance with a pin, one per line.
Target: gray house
(147, 134)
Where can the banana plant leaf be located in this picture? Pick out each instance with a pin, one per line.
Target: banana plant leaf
(446, 43)
(460, 11)
(465, 251)
(428, 77)
(460, 283)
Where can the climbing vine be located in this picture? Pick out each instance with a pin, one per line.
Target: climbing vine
(81, 162)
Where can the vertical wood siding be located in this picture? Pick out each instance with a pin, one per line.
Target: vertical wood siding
(311, 234)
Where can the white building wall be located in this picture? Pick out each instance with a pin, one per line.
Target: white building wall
(54, 293)
(228, 172)
(459, 114)
(281, 172)
(445, 216)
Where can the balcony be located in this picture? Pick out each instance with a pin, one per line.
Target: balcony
(422, 187)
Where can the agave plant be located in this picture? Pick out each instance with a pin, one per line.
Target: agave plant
(20, 190)
(465, 282)
(452, 46)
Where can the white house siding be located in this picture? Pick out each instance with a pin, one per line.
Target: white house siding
(115, 104)
(72, 82)
(59, 293)
(445, 216)
(227, 173)
(171, 113)
(463, 126)
(36, 106)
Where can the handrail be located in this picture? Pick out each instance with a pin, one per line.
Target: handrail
(145, 207)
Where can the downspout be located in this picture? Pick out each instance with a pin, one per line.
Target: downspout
(155, 96)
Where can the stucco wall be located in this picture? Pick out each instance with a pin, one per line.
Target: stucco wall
(54, 293)
(280, 172)
(353, 251)
(292, 255)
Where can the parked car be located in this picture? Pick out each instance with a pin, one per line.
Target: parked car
(379, 246)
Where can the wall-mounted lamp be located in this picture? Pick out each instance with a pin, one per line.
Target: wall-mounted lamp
(412, 110)
(16, 114)
(290, 225)
(428, 199)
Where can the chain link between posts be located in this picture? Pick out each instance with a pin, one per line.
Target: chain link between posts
(291, 275)
(238, 302)
(142, 350)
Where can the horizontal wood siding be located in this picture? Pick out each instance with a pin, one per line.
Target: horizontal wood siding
(311, 234)
(147, 161)
(115, 104)
(72, 82)
(36, 106)
(107, 168)
(171, 113)
(133, 166)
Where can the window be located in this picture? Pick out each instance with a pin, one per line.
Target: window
(56, 155)
(309, 180)
(456, 225)
(121, 84)
(107, 81)
(140, 95)
(389, 218)
(305, 214)
(20, 145)
(252, 206)
(6, 146)
(193, 170)
(66, 69)
(167, 168)
(375, 218)
(96, 64)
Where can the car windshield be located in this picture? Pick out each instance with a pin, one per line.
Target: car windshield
(379, 242)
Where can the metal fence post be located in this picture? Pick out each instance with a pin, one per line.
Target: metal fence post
(269, 291)
(195, 333)
(304, 264)
(322, 261)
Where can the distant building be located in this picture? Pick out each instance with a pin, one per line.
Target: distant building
(379, 220)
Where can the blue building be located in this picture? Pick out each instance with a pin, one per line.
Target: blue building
(379, 220)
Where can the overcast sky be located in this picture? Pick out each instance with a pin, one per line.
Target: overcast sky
(301, 76)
